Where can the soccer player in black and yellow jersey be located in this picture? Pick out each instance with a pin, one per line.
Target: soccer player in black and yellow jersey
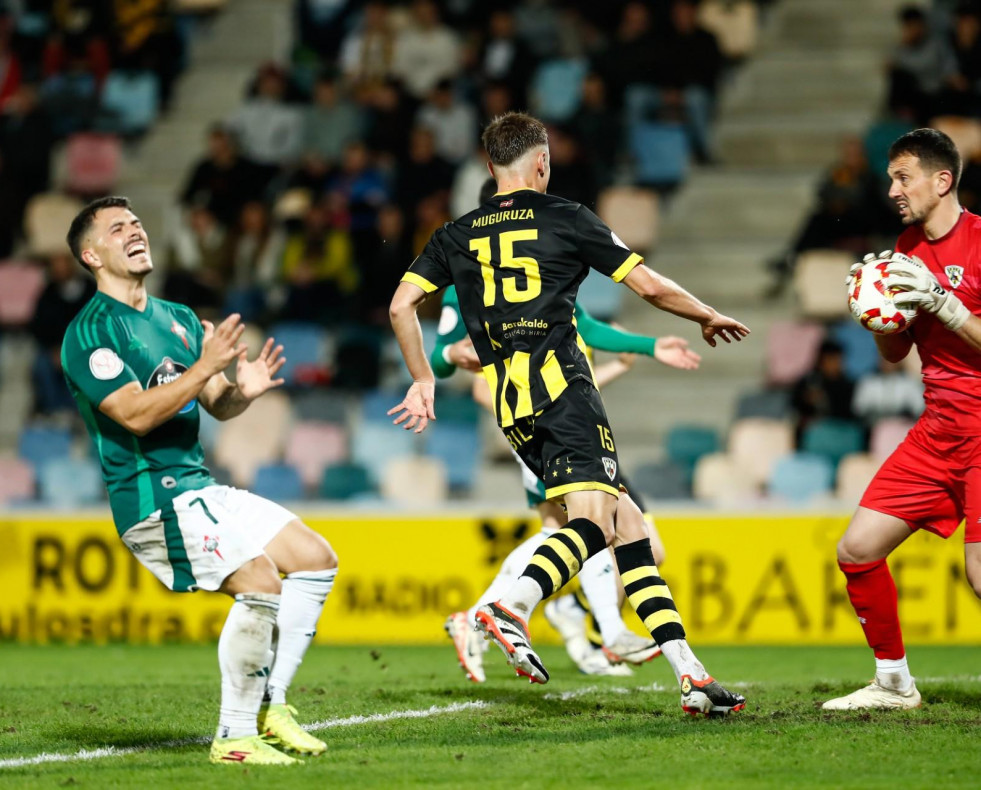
(517, 262)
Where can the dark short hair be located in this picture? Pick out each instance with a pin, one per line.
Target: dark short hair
(911, 13)
(935, 150)
(84, 219)
(510, 136)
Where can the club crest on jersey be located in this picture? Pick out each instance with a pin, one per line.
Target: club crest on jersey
(180, 331)
(507, 203)
(211, 545)
(955, 274)
(166, 372)
(611, 467)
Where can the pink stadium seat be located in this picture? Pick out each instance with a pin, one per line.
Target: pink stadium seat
(313, 445)
(632, 213)
(254, 438)
(16, 480)
(92, 163)
(755, 444)
(415, 480)
(791, 348)
(719, 479)
(818, 277)
(855, 472)
(886, 436)
(21, 284)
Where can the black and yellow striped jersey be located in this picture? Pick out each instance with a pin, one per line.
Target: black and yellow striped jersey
(517, 263)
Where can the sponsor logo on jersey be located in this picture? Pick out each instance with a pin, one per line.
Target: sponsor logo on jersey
(180, 331)
(105, 364)
(955, 274)
(610, 466)
(166, 372)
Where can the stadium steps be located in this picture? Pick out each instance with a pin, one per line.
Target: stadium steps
(816, 76)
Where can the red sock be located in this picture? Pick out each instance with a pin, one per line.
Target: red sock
(873, 595)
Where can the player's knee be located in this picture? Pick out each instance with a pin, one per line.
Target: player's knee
(258, 575)
(318, 554)
(855, 552)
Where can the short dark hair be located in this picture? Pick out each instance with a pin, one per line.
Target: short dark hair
(84, 219)
(935, 150)
(510, 136)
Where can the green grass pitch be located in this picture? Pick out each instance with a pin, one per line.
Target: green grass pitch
(150, 703)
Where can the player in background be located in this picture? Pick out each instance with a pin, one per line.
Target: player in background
(933, 479)
(517, 262)
(140, 369)
(600, 619)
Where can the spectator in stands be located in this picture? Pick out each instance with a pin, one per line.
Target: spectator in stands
(468, 180)
(11, 211)
(383, 262)
(570, 178)
(254, 251)
(595, 125)
(10, 67)
(919, 67)
(321, 25)
(78, 36)
(452, 122)
(495, 100)
(632, 55)
(888, 392)
(504, 57)
(390, 113)
(26, 142)
(67, 291)
(197, 271)
(426, 51)
(331, 122)
(70, 95)
(269, 129)
(825, 391)
(962, 93)
(146, 39)
(424, 173)
(368, 50)
(361, 185)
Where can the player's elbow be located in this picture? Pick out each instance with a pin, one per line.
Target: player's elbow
(400, 308)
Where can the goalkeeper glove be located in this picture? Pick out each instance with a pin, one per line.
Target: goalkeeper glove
(919, 288)
(870, 258)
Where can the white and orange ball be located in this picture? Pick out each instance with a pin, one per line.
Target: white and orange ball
(870, 301)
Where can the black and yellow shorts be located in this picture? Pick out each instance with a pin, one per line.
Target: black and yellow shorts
(569, 444)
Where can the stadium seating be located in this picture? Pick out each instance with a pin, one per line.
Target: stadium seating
(323, 405)
(861, 353)
(254, 438)
(965, 132)
(457, 445)
(21, 284)
(46, 217)
(756, 443)
(278, 482)
(833, 439)
(415, 481)
(772, 403)
(40, 444)
(801, 477)
(376, 403)
(601, 296)
(374, 442)
(721, 480)
(886, 436)
(16, 481)
(735, 23)
(92, 162)
(791, 349)
(69, 482)
(662, 480)
(878, 138)
(660, 153)
(345, 481)
(131, 99)
(855, 472)
(305, 351)
(632, 213)
(685, 444)
(818, 278)
(312, 446)
(556, 88)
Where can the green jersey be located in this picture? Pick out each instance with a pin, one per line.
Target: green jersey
(108, 345)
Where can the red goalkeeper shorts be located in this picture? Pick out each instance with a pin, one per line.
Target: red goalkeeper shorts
(932, 481)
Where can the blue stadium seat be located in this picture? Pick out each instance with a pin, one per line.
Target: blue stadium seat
(132, 100)
(457, 444)
(662, 480)
(660, 152)
(376, 403)
(879, 137)
(346, 481)
(861, 353)
(833, 439)
(556, 88)
(601, 296)
(801, 477)
(305, 349)
(42, 444)
(373, 443)
(772, 404)
(69, 482)
(278, 482)
(687, 443)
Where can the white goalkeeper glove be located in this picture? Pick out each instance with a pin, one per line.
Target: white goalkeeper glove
(871, 257)
(919, 288)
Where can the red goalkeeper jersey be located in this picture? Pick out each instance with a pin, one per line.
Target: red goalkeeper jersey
(951, 368)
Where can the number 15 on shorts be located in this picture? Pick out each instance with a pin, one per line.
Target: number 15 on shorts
(606, 438)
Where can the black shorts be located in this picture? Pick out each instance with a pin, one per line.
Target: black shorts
(569, 444)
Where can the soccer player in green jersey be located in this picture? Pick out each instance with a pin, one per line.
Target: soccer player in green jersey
(517, 262)
(140, 369)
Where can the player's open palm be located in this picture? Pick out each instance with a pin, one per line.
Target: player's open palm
(674, 352)
(721, 326)
(259, 375)
(221, 343)
(416, 409)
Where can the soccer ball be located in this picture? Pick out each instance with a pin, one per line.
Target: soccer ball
(870, 301)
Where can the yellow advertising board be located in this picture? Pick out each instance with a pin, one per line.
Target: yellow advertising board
(737, 579)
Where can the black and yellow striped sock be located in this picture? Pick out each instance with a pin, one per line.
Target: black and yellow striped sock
(647, 592)
(593, 635)
(561, 556)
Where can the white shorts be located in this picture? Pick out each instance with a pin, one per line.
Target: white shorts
(201, 537)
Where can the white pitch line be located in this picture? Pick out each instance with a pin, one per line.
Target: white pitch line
(112, 751)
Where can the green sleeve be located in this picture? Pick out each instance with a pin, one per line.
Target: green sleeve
(604, 337)
(91, 361)
(450, 329)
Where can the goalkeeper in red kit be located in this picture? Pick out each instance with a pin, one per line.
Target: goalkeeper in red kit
(933, 479)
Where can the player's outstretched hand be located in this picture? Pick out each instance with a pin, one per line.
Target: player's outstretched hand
(721, 326)
(918, 287)
(674, 352)
(221, 344)
(256, 377)
(416, 409)
(462, 354)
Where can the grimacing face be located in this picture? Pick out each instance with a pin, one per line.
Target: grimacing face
(915, 192)
(119, 242)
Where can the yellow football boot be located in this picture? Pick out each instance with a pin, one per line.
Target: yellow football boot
(278, 724)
